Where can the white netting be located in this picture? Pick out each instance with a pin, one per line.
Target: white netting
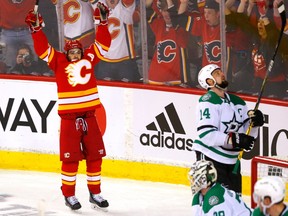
(273, 166)
(266, 169)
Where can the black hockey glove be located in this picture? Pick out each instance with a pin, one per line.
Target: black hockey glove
(256, 117)
(241, 141)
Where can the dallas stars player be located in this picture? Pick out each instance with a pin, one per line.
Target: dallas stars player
(210, 197)
(269, 194)
(222, 120)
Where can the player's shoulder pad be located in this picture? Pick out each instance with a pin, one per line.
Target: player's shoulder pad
(211, 97)
(236, 100)
(214, 197)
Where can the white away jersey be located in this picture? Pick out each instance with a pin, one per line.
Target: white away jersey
(216, 117)
(78, 21)
(219, 201)
(120, 25)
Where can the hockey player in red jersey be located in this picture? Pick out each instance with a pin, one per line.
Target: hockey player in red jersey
(80, 136)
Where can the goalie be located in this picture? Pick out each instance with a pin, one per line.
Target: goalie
(80, 136)
(210, 197)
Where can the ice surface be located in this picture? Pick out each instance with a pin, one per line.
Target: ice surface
(27, 193)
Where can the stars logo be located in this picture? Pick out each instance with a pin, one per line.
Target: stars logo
(206, 97)
(213, 200)
(233, 125)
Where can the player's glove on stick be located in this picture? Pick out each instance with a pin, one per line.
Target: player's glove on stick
(256, 118)
(101, 14)
(34, 21)
(241, 141)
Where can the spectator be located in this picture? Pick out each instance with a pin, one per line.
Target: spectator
(269, 194)
(78, 21)
(249, 69)
(14, 29)
(120, 61)
(26, 65)
(80, 136)
(169, 63)
(222, 120)
(262, 53)
(209, 197)
(208, 28)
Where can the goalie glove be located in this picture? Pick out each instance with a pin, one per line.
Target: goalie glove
(101, 14)
(241, 141)
(256, 118)
(34, 21)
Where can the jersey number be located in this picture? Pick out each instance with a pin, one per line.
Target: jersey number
(220, 213)
(205, 114)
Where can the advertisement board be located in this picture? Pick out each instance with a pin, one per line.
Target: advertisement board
(141, 125)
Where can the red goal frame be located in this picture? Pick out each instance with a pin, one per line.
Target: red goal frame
(273, 161)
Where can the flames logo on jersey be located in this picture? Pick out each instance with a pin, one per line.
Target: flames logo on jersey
(74, 72)
(166, 51)
(259, 63)
(213, 51)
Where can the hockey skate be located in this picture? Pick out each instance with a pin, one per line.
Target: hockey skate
(98, 201)
(72, 202)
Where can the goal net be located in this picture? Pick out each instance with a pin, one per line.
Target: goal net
(268, 166)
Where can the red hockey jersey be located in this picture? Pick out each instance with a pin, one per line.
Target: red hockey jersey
(210, 39)
(76, 82)
(169, 62)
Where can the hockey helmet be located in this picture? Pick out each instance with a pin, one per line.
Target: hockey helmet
(270, 186)
(206, 73)
(72, 44)
(202, 175)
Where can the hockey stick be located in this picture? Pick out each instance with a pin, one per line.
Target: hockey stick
(281, 9)
(36, 10)
(36, 6)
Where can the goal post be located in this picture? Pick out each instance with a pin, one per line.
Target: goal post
(262, 166)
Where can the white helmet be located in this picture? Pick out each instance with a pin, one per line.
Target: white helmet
(201, 175)
(270, 186)
(206, 73)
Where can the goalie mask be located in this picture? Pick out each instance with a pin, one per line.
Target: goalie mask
(270, 186)
(202, 175)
